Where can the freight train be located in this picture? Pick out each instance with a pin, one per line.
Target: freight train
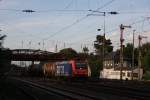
(66, 69)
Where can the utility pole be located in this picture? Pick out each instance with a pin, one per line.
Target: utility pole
(104, 40)
(81, 48)
(122, 27)
(140, 55)
(56, 48)
(43, 44)
(30, 44)
(132, 56)
(64, 45)
(22, 44)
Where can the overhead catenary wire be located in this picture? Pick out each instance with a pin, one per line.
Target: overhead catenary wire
(74, 10)
(106, 4)
(117, 42)
(110, 31)
(68, 11)
(64, 28)
(117, 28)
(49, 10)
(85, 17)
(77, 21)
(16, 10)
(68, 5)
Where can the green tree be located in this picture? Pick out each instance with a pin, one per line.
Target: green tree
(2, 37)
(145, 49)
(146, 61)
(95, 61)
(127, 53)
(69, 53)
(98, 45)
(128, 50)
(85, 50)
(95, 65)
(5, 57)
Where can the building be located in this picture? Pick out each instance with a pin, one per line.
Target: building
(111, 69)
(114, 73)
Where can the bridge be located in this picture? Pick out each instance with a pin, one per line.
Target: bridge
(37, 55)
(34, 55)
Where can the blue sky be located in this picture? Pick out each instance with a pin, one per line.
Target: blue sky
(58, 22)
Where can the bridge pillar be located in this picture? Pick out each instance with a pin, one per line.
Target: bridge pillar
(32, 63)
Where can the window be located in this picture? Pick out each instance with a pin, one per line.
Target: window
(128, 74)
(81, 65)
(123, 74)
(135, 74)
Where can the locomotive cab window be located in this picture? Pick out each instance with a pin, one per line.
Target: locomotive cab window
(81, 65)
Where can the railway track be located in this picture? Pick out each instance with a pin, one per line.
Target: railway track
(12, 91)
(136, 93)
(65, 93)
(27, 94)
(37, 93)
(88, 90)
(125, 91)
(122, 91)
(80, 90)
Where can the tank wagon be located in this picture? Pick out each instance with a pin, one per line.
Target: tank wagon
(36, 70)
(48, 69)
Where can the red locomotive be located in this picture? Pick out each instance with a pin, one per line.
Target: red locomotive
(79, 69)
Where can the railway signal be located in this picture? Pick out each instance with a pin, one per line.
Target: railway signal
(140, 55)
(122, 27)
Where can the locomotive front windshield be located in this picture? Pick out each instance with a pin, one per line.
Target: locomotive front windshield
(81, 65)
